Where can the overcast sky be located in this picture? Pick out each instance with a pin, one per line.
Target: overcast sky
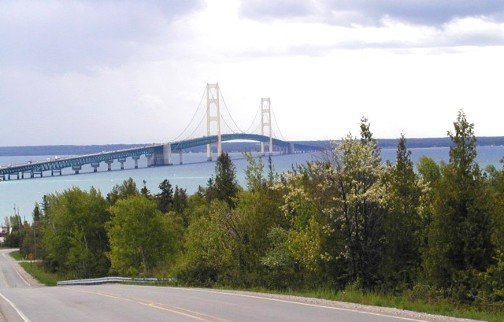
(97, 72)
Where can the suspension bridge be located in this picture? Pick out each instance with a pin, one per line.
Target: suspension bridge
(263, 129)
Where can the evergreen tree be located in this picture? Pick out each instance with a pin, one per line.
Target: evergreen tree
(144, 191)
(402, 258)
(460, 235)
(179, 200)
(165, 197)
(225, 187)
(37, 214)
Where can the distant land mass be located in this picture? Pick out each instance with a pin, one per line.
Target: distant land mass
(55, 150)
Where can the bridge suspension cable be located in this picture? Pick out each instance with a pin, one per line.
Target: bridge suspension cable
(278, 127)
(253, 121)
(191, 136)
(230, 116)
(191, 121)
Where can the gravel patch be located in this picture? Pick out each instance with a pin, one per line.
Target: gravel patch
(394, 312)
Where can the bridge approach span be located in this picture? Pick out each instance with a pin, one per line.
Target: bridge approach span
(157, 154)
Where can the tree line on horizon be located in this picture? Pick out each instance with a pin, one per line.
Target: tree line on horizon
(348, 220)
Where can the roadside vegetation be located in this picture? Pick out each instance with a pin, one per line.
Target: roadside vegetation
(346, 227)
(16, 255)
(38, 272)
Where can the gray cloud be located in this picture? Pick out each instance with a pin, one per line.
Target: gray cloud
(65, 36)
(348, 12)
(266, 9)
(425, 12)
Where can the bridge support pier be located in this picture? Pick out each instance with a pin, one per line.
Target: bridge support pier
(209, 153)
(53, 171)
(121, 161)
(160, 156)
(167, 154)
(76, 168)
(109, 164)
(95, 166)
(135, 158)
(150, 159)
(34, 173)
(291, 148)
(180, 157)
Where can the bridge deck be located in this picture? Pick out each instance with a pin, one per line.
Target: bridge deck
(178, 146)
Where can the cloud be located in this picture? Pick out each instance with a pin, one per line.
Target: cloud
(323, 26)
(365, 12)
(261, 9)
(66, 36)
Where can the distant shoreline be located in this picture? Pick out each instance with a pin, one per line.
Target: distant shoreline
(230, 146)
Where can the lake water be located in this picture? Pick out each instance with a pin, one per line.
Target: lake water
(195, 172)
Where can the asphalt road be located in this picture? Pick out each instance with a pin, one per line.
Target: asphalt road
(21, 300)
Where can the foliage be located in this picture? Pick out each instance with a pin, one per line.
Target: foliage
(402, 228)
(348, 225)
(122, 191)
(459, 243)
(73, 236)
(140, 237)
(225, 186)
(36, 270)
(165, 196)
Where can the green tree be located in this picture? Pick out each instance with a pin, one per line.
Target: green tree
(141, 238)
(460, 244)
(225, 186)
(402, 228)
(359, 206)
(180, 200)
(165, 196)
(122, 191)
(144, 191)
(209, 250)
(254, 173)
(31, 242)
(429, 178)
(74, 241)
(37, 213)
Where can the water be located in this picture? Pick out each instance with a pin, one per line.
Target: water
(195, 172)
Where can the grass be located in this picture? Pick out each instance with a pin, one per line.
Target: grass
(16, 255)
(442, 307)
(36, 270)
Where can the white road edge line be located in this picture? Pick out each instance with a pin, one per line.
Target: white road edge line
(306, 304)
(19, 274)
(18, 311)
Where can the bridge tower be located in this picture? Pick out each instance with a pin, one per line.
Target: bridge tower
(266, 123)
(213, 115)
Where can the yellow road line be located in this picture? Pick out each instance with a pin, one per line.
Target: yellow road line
(212, 318)
(159, 306)
(265, 298)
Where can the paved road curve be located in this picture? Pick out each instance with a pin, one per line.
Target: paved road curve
(20, 300)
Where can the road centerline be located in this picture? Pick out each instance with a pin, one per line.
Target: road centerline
(160, 306)
(304, 304)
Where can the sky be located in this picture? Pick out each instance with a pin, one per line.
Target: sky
(102, 72)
